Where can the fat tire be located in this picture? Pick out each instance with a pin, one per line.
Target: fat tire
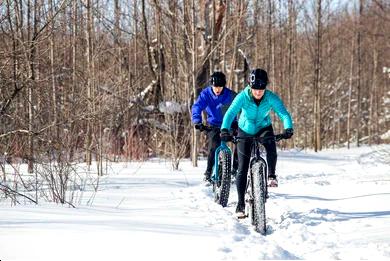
(259, 197)
(222, 189)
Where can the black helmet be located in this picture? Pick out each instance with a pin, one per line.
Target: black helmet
(258, 79)
(218, 79)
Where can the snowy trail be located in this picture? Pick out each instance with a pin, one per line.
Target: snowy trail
(332, 205)
(132, 216)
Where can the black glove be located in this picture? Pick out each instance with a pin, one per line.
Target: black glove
(288, 133)
(199, 126)
(225, 135)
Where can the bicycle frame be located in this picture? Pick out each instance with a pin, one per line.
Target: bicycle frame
(257, 150)
(256, 192)
(215, 177)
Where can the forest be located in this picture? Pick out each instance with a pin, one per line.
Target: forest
(112, 80)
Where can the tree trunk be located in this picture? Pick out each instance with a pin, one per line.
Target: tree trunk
(349, 116)
(31, 83)
(291, 56)
(53, 82)
(212, 43)
(226, 23)
(90, 83)
(195, 134)
(359, 76)
(233, 63)
(270, 38)
(317, 81)
(372, 122)
(74, 80)
(159, 91)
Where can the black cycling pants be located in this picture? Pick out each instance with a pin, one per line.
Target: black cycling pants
(244, 154)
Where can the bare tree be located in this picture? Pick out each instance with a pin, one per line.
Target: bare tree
(86, 80)
(317, 79)
(359, 71)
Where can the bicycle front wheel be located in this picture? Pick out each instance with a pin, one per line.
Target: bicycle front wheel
(259, 196)
(222, 188)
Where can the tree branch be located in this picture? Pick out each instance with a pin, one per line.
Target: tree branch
(4, 187)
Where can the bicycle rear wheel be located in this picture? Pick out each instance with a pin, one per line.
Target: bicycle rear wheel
(222, 187)
(259, 196)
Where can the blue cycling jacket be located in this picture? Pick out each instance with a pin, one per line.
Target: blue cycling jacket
(254, 117)
(215, 106)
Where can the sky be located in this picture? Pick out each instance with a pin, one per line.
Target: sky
(329, 205)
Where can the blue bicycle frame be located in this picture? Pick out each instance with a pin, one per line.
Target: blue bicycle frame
(223, 147)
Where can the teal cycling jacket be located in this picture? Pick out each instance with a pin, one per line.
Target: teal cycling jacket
(253, 117)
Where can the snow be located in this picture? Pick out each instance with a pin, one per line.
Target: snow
(329, 205)
(386, 135)
(171, 107)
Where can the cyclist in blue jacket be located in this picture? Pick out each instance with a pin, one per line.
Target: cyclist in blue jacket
(215, 100)
(255, 104)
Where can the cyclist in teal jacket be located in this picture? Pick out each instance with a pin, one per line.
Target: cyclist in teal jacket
(254, 104)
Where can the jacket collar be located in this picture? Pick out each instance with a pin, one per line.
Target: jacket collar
(211, 92)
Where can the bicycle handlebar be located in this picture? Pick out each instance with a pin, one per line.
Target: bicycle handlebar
(261, 140)
(206, 128)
